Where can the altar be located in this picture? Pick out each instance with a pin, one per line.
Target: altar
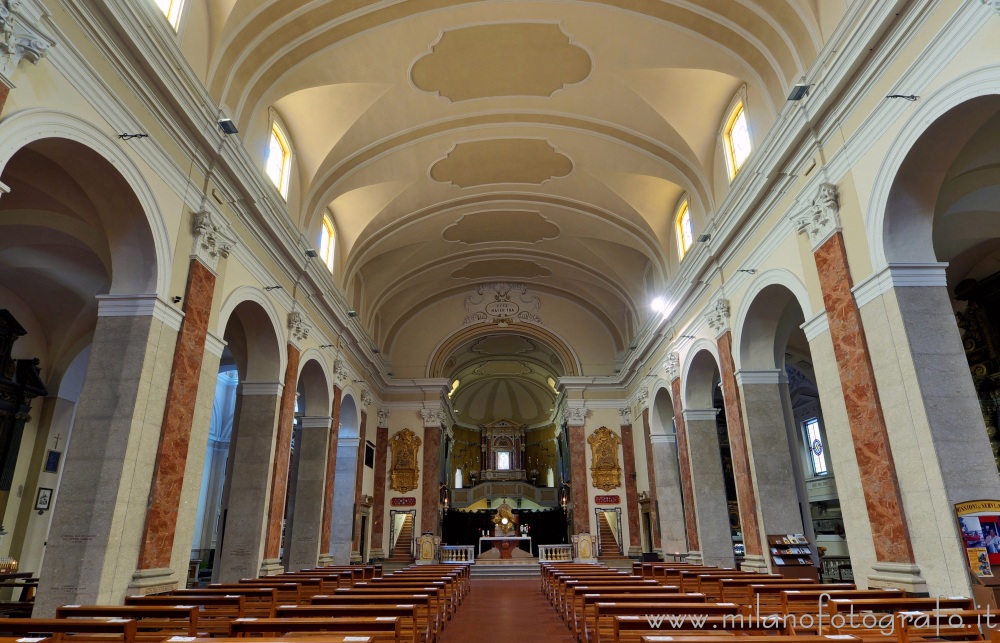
(504, 544)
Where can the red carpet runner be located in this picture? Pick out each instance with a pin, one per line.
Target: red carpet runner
(504, 611)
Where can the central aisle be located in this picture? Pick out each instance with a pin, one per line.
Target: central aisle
(503, 611)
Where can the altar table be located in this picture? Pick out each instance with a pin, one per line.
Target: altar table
(504, 552)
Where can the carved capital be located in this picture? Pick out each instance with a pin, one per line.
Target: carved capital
(366, 399)
(575, 416)
(298, 327)
(383, 418)
(822, 218)
(340, 371)
(432, 417)
(20, 38)
(642, 396)
(626, 414)
(211, 240)
(993, 4)
(672, 367)
(718, 316)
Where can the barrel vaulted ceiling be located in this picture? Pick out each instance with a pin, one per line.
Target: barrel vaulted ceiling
(461, 142)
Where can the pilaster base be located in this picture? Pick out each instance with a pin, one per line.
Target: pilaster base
(152, 581)
(376, 554)
(635, 551)
(356, 558)
(326, 560)
(753, 564)
(695, 558)
(429, 561)
(271, 567)
(904, 576)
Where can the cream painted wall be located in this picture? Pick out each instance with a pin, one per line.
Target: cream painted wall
(610, 418)
(400, 419)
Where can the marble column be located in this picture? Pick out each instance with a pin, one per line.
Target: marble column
(97, 524)
(279, 476)
(708, 489)
(754, 558)
(378, 504)
(684, 462)
(247, 496)
(310, 487)
(579, 495)
(430, 502)
(325, 553)
(358, 481)
(345, 503)
(654, 505)
(883, 501)
(768, 443)
(668, 481)
(154, 573)
(631, 492)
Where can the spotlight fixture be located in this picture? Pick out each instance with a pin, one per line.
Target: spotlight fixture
(228, 126)
(799, 91)
(659, 304)
(311, 253)
(704, 237)
(390, 374)
(375, 350)
(632, 347)
(270, 288)
(352, 313)
(177, 299)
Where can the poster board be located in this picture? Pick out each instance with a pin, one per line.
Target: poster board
(979, 525)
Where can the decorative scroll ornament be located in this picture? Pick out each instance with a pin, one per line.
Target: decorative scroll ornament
(672, 367)
(718, 316)
(366, 399)
(642, 396)
(575, 416)
(626, 414)
(211, 240)
(432, 417)
(502, 304)
(298, 326)
(340, 371)
(822, 218)
(19, 40)
(405, 473)
(383, 418)
(605, 470)
(993, 4)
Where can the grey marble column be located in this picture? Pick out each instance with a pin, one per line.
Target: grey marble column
(709, 488)
(245, 504)
(668, 493)
(343, 500)
(770, 452)
(303, 545)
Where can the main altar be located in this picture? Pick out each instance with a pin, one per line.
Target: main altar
(506, 541)
(504, 544)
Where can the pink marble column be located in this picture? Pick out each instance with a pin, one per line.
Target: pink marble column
(578, 471)
(378, 504)
(687, 493)
(358, 480)
(282, 450)
(430, 500)
(654, 507)
(738, 448)
(631, 492)
(178, 417)
(331, 472)
(4, 93)
(864, 410)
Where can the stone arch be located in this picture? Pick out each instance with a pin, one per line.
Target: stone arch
(661, 411)
(778, 286)
(700, 372)
(130, 257)
(268, 363)
(767, 322)
(554, 340)
(315, 384)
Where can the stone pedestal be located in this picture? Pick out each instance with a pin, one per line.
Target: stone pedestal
(584, 548)
(153, 581)
(754, 563)
(427, 549)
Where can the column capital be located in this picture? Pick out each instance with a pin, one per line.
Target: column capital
(383, 418)
(672, 367)
(340, 371)
(20, 37)
(718, 316)
(821, 218)
(432, 417)
(298, 328)
(211, 239)
(626, 414)
(366, 400)
(575, 415)
(642, 396)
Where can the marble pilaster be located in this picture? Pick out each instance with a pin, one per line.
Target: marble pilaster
(358, 480)
(282, 452)
(430, 500)
(684, 462)
(709, 488)
(331, 473)
(344, 501)
(578, 470)
(668, 481)
(741, 456)
(249, 469)
(303, 546)
(378, 504)
(175, 434)
(654, 505)
(631, 492)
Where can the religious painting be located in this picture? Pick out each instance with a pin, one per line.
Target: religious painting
(405, 473)
(43, 500)
(604, 469)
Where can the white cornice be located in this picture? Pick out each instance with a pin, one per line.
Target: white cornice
(700, 414)
(663, 438)
(900, 275)
(139, 306)
(767, 376)
(260, 388)
(816, 326)
(315, 422)
(214, 344)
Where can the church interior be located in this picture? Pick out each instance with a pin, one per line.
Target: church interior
(303, 297)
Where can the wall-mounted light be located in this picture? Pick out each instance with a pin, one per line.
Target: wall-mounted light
(177, 299)
(270, 288)
(703, 238)
(799, 91)
(311, 253)
(352, 313)
(228, 126)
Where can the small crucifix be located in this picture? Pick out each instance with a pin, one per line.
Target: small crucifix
(57, 438)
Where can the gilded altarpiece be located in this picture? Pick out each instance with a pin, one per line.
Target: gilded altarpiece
(605, 470)
(405, 473)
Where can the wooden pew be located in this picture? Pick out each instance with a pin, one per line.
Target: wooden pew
(951, 625)
(711, 638)
(798, 603)
(734, 589)
(603, 625)
(566, 598)
(847, 616)
(153, 623)
(577, 612)
(325, 637)
(435, 596)
(629, 628)
(410, 628)
(380, 628)
(259, 602)
(424, 613)
(710, 583)
(119, 630)
(587, 614)
(214, 613)
(446, 593)
(765, 598)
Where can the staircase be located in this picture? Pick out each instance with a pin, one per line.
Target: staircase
(528, 569)
(401, 550)
(609, 546)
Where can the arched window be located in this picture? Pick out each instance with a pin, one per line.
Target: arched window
(685, 229)
(736, 138)
(172, 10)
(327, 242)
(279, 159)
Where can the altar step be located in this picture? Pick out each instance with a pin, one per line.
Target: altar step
(491, 570)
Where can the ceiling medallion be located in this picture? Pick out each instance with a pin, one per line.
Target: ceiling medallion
(502, 304)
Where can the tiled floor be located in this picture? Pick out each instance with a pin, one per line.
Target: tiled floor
(506, 611)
